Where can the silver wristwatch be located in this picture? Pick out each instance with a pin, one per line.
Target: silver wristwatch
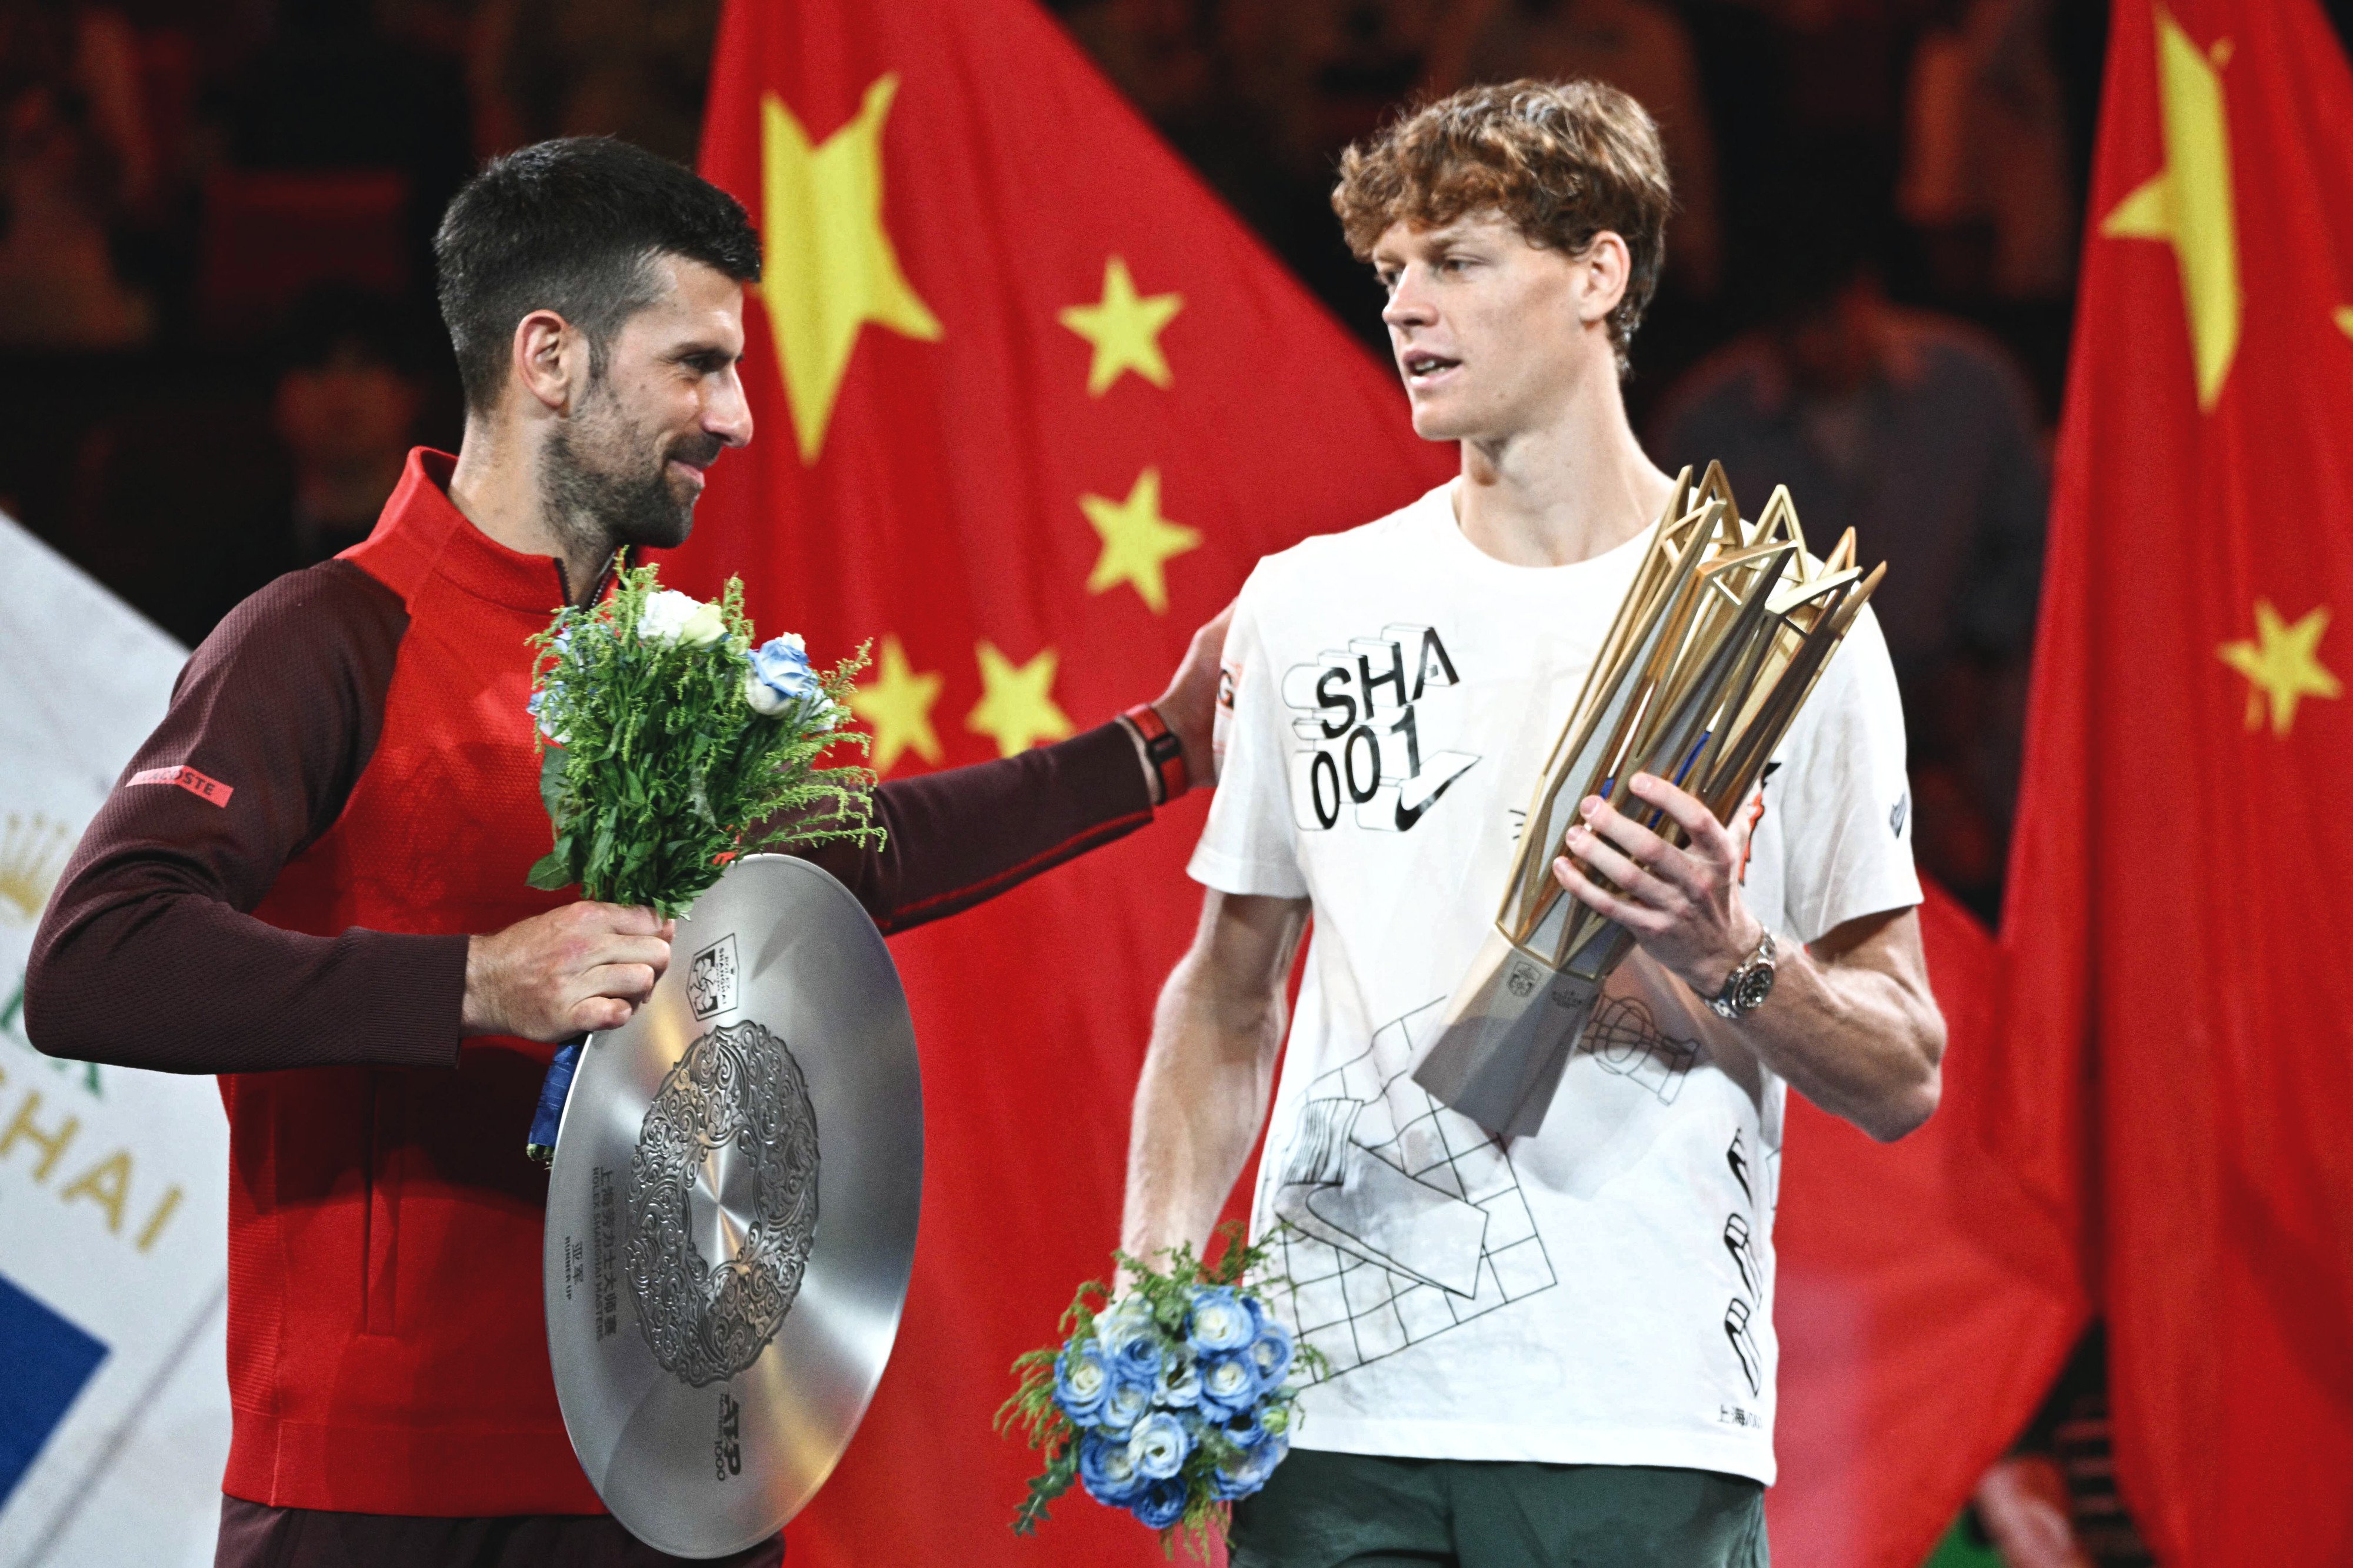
(1750, 982)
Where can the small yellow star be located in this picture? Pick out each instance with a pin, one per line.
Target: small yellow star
(1017, 704)
(2282, 664)
(2345, 320)
(898, 703)
(1136, 541)
(830, 266)
(1124, 330)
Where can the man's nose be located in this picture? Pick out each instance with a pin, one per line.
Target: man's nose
(1406, 306)
(728, 414)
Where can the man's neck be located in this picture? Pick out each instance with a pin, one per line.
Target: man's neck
(1564, 492)
(496, 487)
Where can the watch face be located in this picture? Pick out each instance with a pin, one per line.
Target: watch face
(1754, 987)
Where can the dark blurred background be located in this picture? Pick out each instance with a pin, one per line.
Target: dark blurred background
(217, 337)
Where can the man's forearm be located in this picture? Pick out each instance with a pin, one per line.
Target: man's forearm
(1198, 1108)
(1851, 1026)
(1203, 1092)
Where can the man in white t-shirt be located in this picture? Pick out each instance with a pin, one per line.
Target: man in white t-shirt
(1559, 1351)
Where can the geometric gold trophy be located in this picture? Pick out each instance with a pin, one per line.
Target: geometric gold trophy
(1726, 628)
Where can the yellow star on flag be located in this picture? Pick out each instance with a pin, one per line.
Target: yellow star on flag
(1136, 541)
(2344, 319)
(1016, 705)
(2282, 664)
(2188, 204)
(898, 703)
(830, 267)
(1125, 328)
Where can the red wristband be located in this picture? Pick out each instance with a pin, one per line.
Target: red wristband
(1163, 749)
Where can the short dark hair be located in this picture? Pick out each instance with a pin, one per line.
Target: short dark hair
(574, 226)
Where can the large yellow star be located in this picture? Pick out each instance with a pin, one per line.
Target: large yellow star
(2188, 204)
(1017, 704)
(1124, 330)
(830, 267)
(2282, 664)
(1136, 541)
(898, 703)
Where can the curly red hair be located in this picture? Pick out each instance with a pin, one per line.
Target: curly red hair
(1562, 161)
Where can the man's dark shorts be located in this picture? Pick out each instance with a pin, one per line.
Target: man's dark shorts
(1322, 1510)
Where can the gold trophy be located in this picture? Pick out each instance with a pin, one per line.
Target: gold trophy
(1720, 640)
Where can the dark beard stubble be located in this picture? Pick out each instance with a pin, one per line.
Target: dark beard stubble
(596, 508)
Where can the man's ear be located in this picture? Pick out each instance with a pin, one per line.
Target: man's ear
(1604, 270)
(551, 360)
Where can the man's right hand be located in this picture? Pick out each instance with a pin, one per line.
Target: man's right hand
(571, 970)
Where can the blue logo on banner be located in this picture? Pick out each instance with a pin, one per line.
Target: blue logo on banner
(49, 1360)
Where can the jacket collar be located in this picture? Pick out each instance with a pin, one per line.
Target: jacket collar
(422, 534)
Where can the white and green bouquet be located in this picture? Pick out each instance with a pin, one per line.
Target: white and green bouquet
(672, 744)
(1171, 1401)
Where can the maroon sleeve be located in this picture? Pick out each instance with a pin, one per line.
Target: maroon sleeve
(954, 839)
(148, 957)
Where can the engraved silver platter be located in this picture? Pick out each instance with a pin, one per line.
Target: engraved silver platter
(731, 1216)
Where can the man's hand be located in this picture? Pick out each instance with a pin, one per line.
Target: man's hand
(1683, 905)
(1189, 705)
(584, 967)
(1852, 1023)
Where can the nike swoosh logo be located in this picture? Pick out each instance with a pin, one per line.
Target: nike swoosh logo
(1417, 795)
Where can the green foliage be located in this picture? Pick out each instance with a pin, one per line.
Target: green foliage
(663, 773)
(1033, 1413)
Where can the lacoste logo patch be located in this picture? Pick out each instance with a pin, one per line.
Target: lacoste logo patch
(194, 782)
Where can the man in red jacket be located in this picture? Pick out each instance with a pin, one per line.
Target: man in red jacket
(311, 881)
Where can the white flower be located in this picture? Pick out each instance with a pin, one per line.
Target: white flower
(672, 616)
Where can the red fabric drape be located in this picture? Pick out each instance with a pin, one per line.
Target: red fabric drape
(2178, 1046)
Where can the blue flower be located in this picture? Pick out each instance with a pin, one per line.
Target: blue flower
(1082, 1381)
(1107, 1469)
(1246, 1472)
(1247, 1428)
(1137, 1359)
(1179, 1387)
(780, 680)
(1230, 1384)
(1158, 1445)
(1221, 1321)
(1160, 1505)
(1123, 1407)
(1270, 1354)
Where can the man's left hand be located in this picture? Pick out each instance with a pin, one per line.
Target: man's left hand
(1189, 705)
(1681, 904)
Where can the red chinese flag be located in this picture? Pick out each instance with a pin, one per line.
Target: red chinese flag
(1030, 403)
(2179, 1042)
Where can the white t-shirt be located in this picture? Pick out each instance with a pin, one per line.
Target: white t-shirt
(1599, 1293)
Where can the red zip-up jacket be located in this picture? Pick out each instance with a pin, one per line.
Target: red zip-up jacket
(280, 891)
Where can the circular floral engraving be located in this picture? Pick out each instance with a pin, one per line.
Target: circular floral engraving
(707, 1319)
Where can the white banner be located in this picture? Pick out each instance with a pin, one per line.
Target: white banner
(113, 1183)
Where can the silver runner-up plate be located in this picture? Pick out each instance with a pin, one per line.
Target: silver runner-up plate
(731, 1216)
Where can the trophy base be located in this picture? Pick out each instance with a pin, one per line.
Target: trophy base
(1506, 1038)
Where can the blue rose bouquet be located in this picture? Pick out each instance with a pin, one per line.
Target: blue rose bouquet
(1170, 1401)
(674, 744)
